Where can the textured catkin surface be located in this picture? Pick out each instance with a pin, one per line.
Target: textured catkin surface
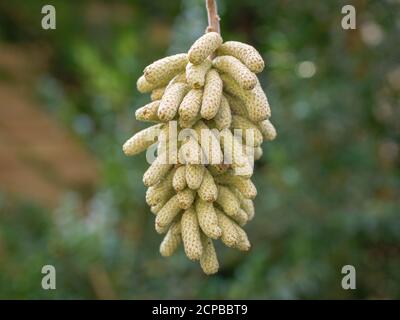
(237, 70)
(163, 70)
(171, 100)
(212, 95)
(172, 240)
(190, 106)
(196, 74)
(208, 219)
(141, 140)
(191, 235)
(245, 53)
(212, 117)
(204, 46)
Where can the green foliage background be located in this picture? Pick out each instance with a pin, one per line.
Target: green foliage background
(329, 185)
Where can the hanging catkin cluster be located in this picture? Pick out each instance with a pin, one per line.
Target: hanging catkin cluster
(214, 90)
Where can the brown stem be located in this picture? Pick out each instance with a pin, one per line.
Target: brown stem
(213, 18)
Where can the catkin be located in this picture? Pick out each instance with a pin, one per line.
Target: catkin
(208, 260)
(227, 200)
(267, 129)
(162, 191)
(199, 185)
(157, 170)
(190, 106)
(208, 219)
(171, 100)
(244, 185)
(223, 118)
(179, 179)
(251, 135)
(233, 154)
(237, 70)
(144, 86)
(242, 242)
(204, 46)
(246, 204)
(148, 112)
(157, 93)
(255, 100)
(212, 95)
(163, 70)
(141, 140)
(167, 214)
(191, 235)
(245, 53)
(171, 240)
(194, 175)
(190, 152)
(208, 190)
(209, 143)
(229, 235)
(196, 74)
(185, 198)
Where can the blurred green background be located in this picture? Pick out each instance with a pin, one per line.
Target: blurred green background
(329, 185)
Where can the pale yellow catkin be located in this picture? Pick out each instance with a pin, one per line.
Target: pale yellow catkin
(217, 169)
(251, 135)
(255, 100)
(179, 179)
(194, 175)
(188, 123)
(186, 198)
(162, 191)
(179, 78)
(156, 208)
(191, 152)
(233, 154)
(229, 234)
(208, 190)
(244, 185)
(208, 220)
(163, 70)
(171, 240)
(267, 129)
(209, 143)
(171, 100)
(246, 204)
(190, 105)
(240, 217)
(245, 53)
(209, 261)
(223, 118)
(167, 214)
(227, 200)
(191, 235)
(157, 93)
(148, 112)
(157, 170)
(196, 74)
(258, 152)
(144, 86)
(236, 105)
(243, 242)
(141, 140)
(212, 95)
(237, 70)
(204, 46)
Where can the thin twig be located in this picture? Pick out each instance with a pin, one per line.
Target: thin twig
(213, 18)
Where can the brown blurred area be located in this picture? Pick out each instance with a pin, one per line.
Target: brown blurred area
(39, 158)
